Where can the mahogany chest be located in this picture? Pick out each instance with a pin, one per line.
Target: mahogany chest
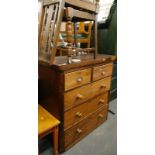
(77, 94)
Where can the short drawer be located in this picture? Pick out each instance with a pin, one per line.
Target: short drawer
(100, 72)
(80, 130)
(77, 78)
(82, 94)
(76, 114)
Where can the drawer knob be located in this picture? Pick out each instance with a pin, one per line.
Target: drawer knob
(100, 116)
(79, 96)
(103, 73)
(79, 130)
(79, 114)
(79, 79)
(42, 118)
(101, 101)
(103, 86)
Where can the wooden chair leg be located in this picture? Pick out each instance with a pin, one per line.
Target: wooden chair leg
(55, 137)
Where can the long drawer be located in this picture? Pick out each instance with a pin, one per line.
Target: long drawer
(102, 71)
(78, 131)
(82, 94)
(77, 78)
(81, 111)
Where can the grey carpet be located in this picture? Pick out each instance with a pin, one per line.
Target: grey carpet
(102, 141)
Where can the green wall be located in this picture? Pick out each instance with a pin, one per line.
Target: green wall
(107, 44)
(107, 37)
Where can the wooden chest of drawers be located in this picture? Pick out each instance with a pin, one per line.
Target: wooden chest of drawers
(78, 95)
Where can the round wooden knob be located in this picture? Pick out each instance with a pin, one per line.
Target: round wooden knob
(79, 114)
(79, 130)
(103, 59)
(79, 96)
(100, 116)
(42, 118)
(79, 79)
(103, 73)
(101, 101)
(103, 86)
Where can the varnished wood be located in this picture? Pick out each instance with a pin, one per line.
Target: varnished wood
(40, 23)
(83, 5)
(82, 100)
(102, 71)
(72, 135)
(48, 2)
(57, 31)
(55, 140)
(88, 91)
(48, 124)
(70, 12)
(78, 113)
(46, 121)
(96, 37)
(74, 93)
(60, 63)
(49, 28)
(77, 78)
(81, 30)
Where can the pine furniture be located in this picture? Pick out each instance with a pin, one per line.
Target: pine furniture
(48, 124)
(75, 93)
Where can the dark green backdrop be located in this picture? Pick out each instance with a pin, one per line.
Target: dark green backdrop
(107, 44)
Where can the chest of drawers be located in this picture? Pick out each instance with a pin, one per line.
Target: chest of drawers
(78, 95)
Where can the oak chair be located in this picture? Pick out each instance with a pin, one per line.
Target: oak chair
(54, 12)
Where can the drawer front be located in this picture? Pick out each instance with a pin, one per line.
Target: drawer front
(77, 78)
(84, 93)
(100, 72)
(81, 111)
(75, 133)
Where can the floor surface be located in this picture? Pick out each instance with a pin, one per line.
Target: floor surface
(102, 141)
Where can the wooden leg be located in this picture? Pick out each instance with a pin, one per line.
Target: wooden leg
(55, 136)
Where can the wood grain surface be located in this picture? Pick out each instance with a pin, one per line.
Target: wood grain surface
(81, 111)
(102, 71)
(74, 134)
(82, 94)
(77, 78)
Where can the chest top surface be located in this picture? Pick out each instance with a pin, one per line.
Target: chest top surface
(60, 62)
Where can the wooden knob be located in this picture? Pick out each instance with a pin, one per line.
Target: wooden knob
(100, 116)
(79, 130)
(103, 86)
(101, 101)
(103, 73)
(103, 59)
(79, 114)
(79, 96)
(42, 118)
(79, 79)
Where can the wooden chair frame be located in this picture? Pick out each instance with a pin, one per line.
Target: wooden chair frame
(48, 33)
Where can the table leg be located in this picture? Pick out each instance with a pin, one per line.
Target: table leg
(55, 140)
